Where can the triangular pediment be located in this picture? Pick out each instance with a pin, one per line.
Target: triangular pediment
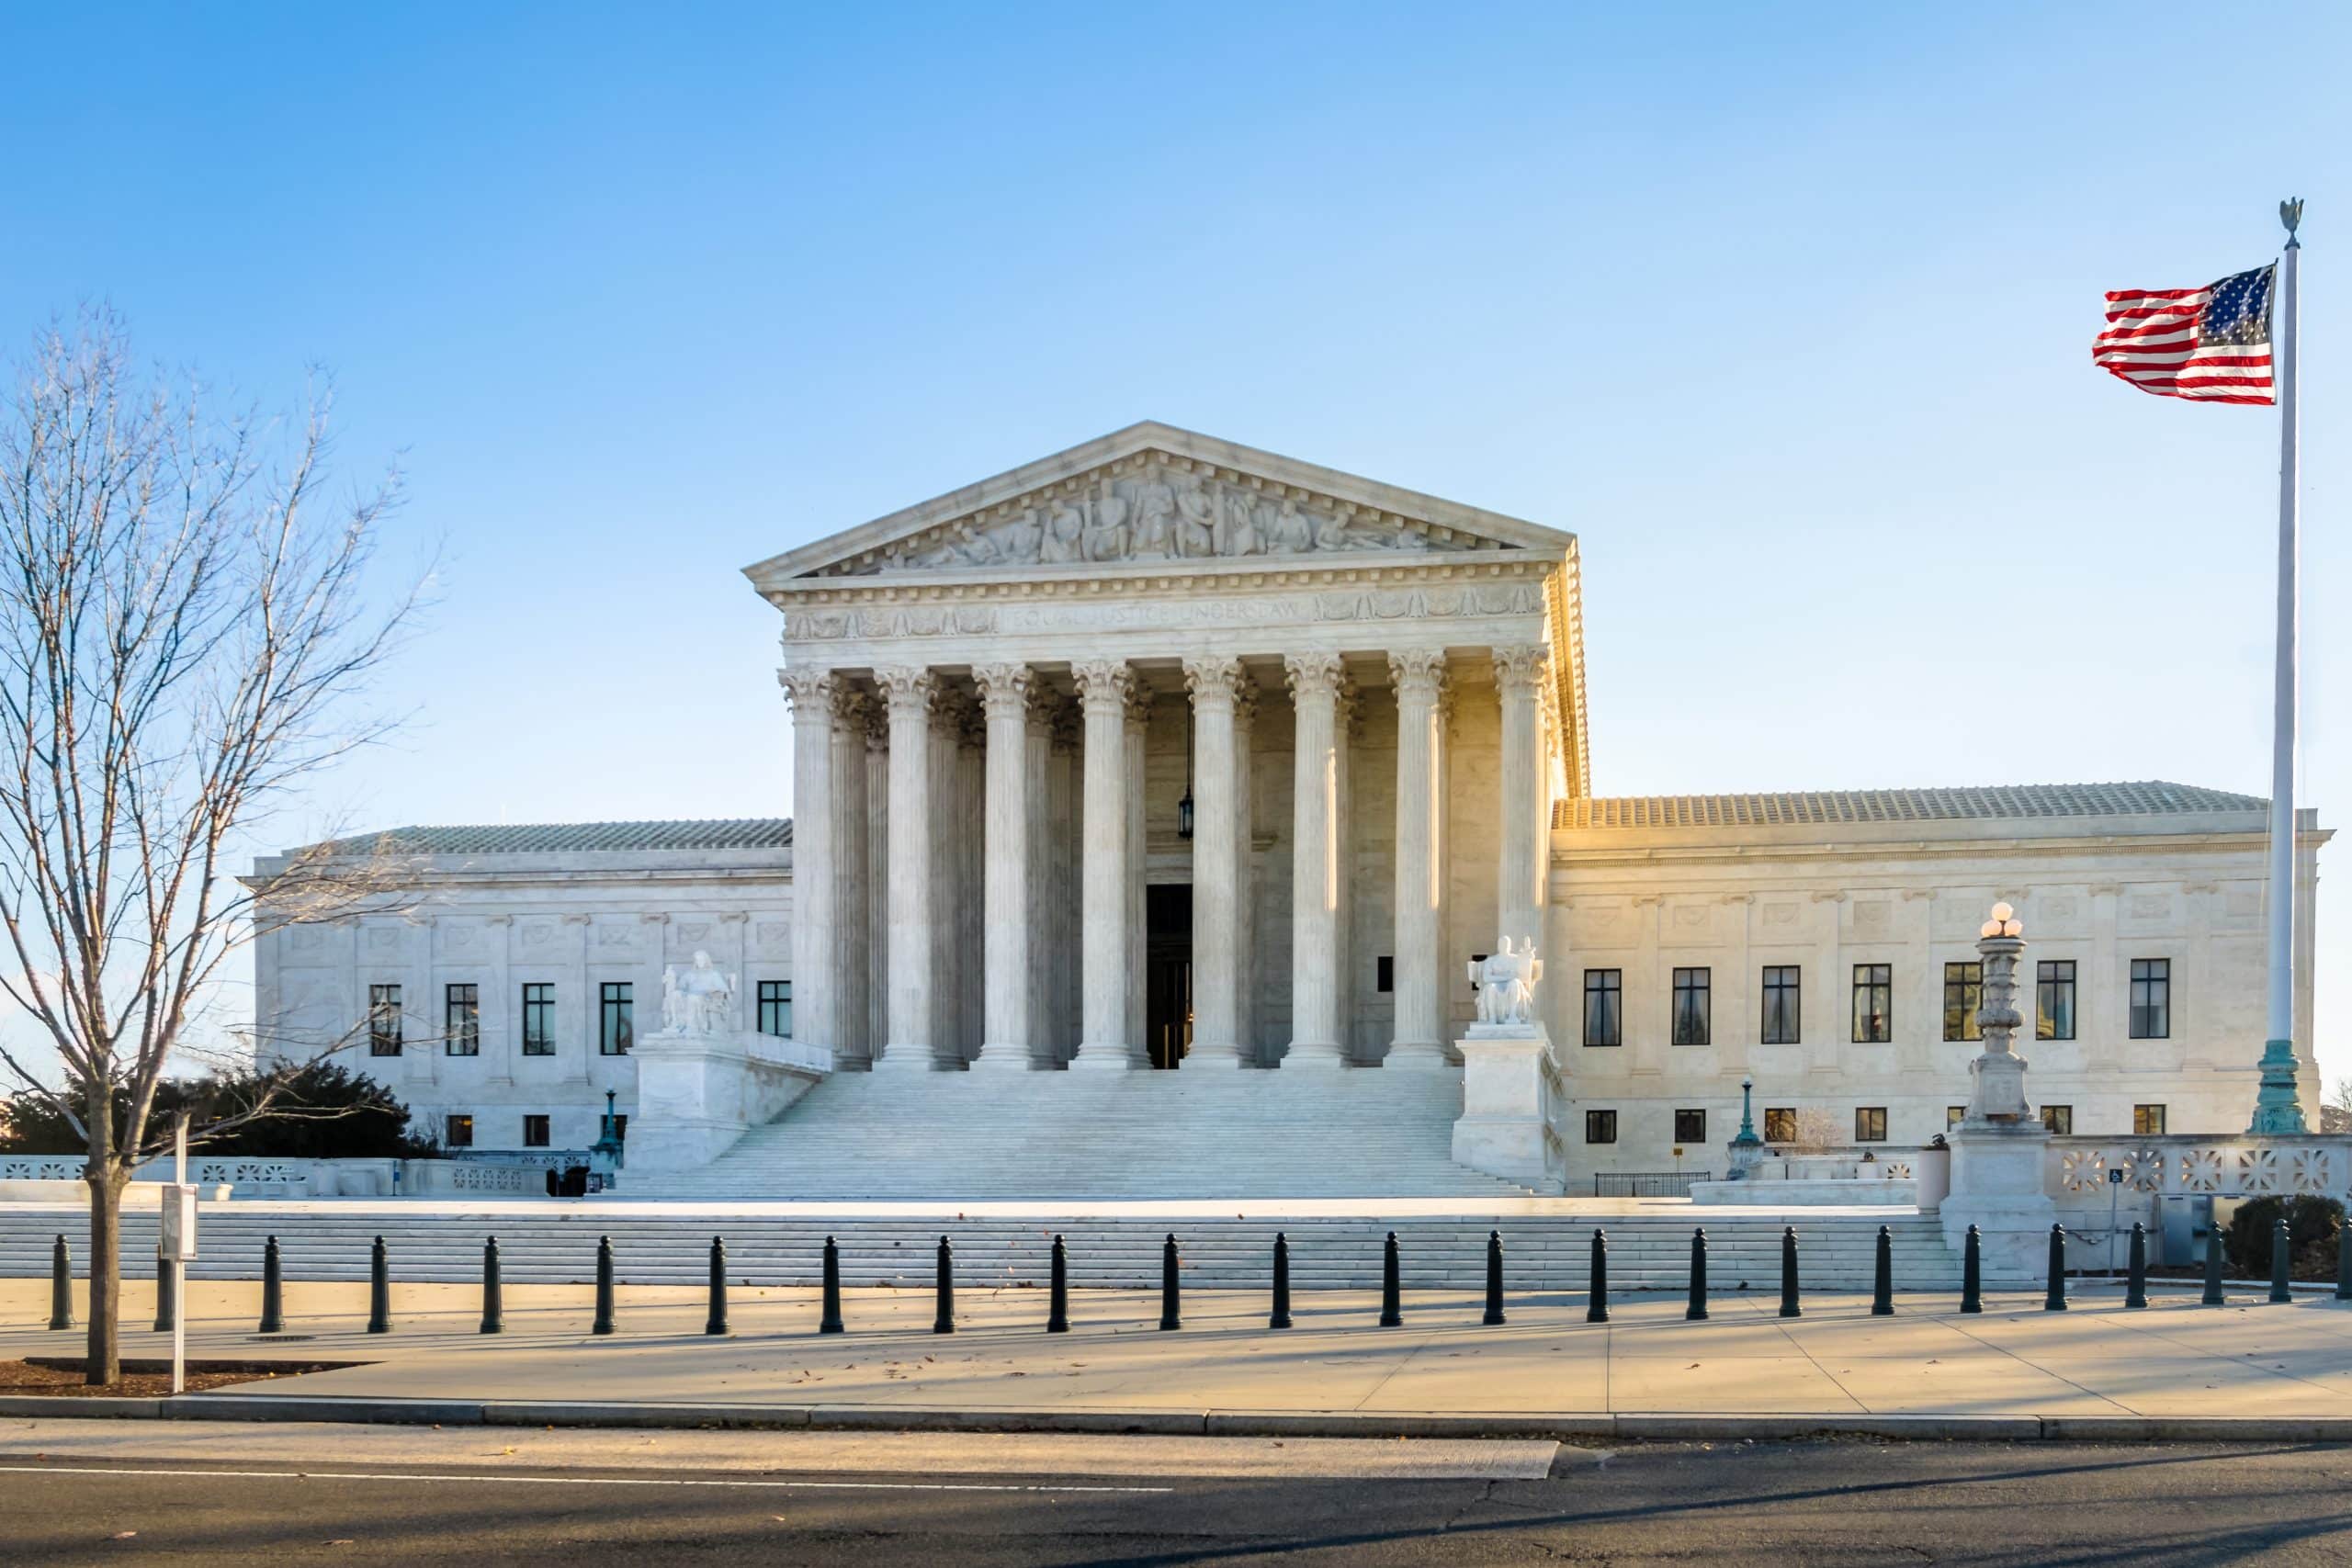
(1148, 495)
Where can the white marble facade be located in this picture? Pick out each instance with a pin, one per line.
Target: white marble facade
(1375, 699)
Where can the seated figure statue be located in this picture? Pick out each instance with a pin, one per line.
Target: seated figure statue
(699, 1000)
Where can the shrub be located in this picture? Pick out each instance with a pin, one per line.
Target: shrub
(324, 1111)
(2311, 1226)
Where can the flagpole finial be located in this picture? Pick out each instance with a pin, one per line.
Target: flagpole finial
(2291, 213)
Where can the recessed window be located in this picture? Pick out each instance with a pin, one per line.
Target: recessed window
(1690, 1126)
(383, 1021)
(535, 1132)
(1384, 977)
(1954, 1115)
(1963, 994)
(1870, 1123)
(2053, 1000)
(1600, 1127)
(539, 1018)
(1783, 1011)
(2151, 999)
(458, 1131)
(617, 1018)
(1873, 1003)
(620, 1126)
(462, 1020)
(1604, 1012)
(2148, 1120)
(2058, 1119)
(1694, 1006)
(1780, 1123)
(775, 1007)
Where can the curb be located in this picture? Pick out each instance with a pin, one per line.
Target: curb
(1665, 1427)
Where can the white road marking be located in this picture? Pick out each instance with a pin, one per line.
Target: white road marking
(564, 1480)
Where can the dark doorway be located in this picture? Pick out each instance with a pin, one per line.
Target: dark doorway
(1167, 970)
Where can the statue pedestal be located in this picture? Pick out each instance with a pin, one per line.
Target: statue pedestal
(1505, 1128)
(698, 1093)
(1996, 1186)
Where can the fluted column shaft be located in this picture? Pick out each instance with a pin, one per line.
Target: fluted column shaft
(1314, 891)
(852, 941)
(1418, 1040)
(1005, 1026)
(1216, 862)
(1102, 687)
(814, 954)
(909, 693)
(1520, 901)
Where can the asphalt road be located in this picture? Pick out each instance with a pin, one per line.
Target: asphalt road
(2048, 1504)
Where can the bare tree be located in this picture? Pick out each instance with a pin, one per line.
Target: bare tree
(184, 619)
(2335, 1115)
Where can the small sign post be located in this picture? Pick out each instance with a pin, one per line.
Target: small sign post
(178, 1245)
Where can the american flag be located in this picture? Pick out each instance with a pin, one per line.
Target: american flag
(2211, 344)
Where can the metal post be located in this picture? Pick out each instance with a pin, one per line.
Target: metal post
(717, 1321)
(1789, 1307)
(1697, 1310)
(604, 1322)
(1597, 1292)
(493, 1301)
(1493, 1279)
(2282, 1259)
(2344, 1258)
(1971, 1274)
(2135, 1287)
(829, 1320)
(1280, 1316)
(2213, 1297)
(2054, 1300)
(273, 1291)
(944, 1321)
(1392, 1302)
(1883, 1276)
(61, 1285)
(1171, 1315)
(167, 1300)
(379, 1289)
(1057, 1300)
(179, 1264)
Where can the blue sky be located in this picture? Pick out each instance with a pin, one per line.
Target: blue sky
(1785, 310)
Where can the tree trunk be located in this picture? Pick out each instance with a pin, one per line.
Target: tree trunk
(107, 1178)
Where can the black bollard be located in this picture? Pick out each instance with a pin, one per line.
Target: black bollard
(2056, 1299)
(379, 1289)
(2135, 1287)
(167, 1296)
(1494, 1278)
(1971, 1274)
(829, 1320)
(2282, 1254)
(1171, 1304)
(1597, 1292)
(1057, 1300)
(1280, 1316)
(273, 1291)
(717, 1321)
(493, 1300)
(944, 1321)
(60, 1286)
(1789, 1307)
(1883, 1276)
(604, 1322)
(2213, 1264)
(2344, 1260)
(1697, 1310)
(1392, 1294)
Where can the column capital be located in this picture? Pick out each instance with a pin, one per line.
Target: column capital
(1140, 699)
(1417, 673)
(955, 715)
(1102, 684)
(853, 709)
(1003, 688)
(808, 691)
(1214, 679)
(909, 690)
(1520, 670)
(1316, 675)
(875, 721)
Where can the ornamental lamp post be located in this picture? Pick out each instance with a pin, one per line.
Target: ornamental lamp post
(1997, 1075)
(1747, 1150)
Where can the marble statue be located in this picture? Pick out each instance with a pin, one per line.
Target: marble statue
(698, 1001)
(1506, 983)
(1196, 522)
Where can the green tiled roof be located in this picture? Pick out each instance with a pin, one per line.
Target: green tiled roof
(1989, 803)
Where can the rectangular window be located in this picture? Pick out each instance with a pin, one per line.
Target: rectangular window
(1693, 1006)
(535, 1132)
(1383, 978)
(775, 1007)
(1963, 994)
(2053, 1000)
(620, 1127)
(1954, 1115)
(1783, 1009)
(1873, 1003)
(1604, 1014)
(383, 1021)
(2148, 1120)
(462, 1020)
(458, 1131)
(616, 1021)
(1600, 1127)
(1780, 1123)
(539, 1018)
(1870, 1123)
(2151, 999)
(2059, 1118)
(1690, 1126)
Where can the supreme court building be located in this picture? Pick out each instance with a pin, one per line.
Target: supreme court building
(1163, 754)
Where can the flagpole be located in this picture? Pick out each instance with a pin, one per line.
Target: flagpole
(2277, 1108)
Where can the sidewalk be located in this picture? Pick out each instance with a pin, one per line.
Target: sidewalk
(2176, 1369)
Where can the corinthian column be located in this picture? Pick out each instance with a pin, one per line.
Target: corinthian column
(1518, 906)
(1418, 676)
(1103, 687)
(909, 990)
(852, 938)
(1314, 855)
(1216, 862)
(814, 954)
(1004, 1030)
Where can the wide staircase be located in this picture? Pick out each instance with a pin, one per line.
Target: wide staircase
(1196, 1132)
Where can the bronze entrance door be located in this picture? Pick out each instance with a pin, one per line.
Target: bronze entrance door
(1167, 970)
